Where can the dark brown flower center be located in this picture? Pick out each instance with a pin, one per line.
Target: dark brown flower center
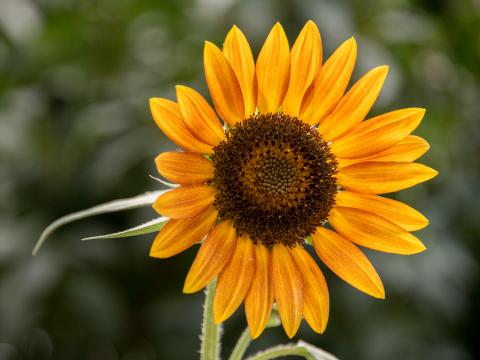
(275, 177)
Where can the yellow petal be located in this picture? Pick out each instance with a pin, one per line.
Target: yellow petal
(383, 177)
(305, 62)
(348, 262)
(179, 235)
(215, 252)
(407, 150)
(168, 118)
(184, 168)
(259, 299)
(185, 201)
(316, 302)
(273, 70)
(234, 280)
(198, 116)
(374, 232)
(288, 289)
(223, 85)
(330, 84)
(395, 211)
(377, 134)
(237, 50)
(354, 105)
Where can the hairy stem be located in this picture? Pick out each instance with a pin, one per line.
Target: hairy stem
(211, 333)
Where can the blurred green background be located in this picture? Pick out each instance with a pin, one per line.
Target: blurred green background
(75, 130)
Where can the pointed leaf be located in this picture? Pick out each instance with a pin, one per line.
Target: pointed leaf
(315, 352)
(146, 228)
(146, 199)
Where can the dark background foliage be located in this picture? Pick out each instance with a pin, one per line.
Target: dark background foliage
(75, 130)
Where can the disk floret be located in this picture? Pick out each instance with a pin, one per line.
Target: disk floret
(275, 178)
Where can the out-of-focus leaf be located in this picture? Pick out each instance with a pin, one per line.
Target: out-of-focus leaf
(146, 228)
(117, 205)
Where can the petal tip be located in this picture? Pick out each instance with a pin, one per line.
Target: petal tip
(155, 253)
(416, 248)
(430, 173)
(421, 248)
(380, 293)
(382, 70)
(234, 30)
(153, 101)
(209, 46)
(255, 333)
(425, 222)
(189, 289)
(351, 42)
(218, 318)
(278, 27)
(311, 24)
(290, 333)
(180, 88)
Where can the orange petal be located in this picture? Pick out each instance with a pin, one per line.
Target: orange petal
(374, 232)
(237, 50)
(184, 168)
(288, 289)
(168, 118)
(383, 177)
(185, 201)
(198, 116)
(273, 70)
(407, 150)
(355, 105)
(178, 235)
(316, 302)
(259, 299)
(215, 252)
(377, 134)
(395, 211)
(223, 85)
(306, 60)
(330, 84)
(234, 280)
(348, 262)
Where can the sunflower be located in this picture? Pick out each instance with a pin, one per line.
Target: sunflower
(283, 161)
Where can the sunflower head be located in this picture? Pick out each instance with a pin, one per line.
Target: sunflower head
(274, 176)
(285, 154)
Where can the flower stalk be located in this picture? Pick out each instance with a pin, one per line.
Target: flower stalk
(211, 333)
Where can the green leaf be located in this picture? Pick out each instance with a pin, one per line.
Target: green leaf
(317, 353)
(146, 228)
(163, 182)
(301, 348)
(146, 199)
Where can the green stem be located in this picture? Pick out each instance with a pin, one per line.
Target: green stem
(245, 339)
(241, 345)
(211, 333)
